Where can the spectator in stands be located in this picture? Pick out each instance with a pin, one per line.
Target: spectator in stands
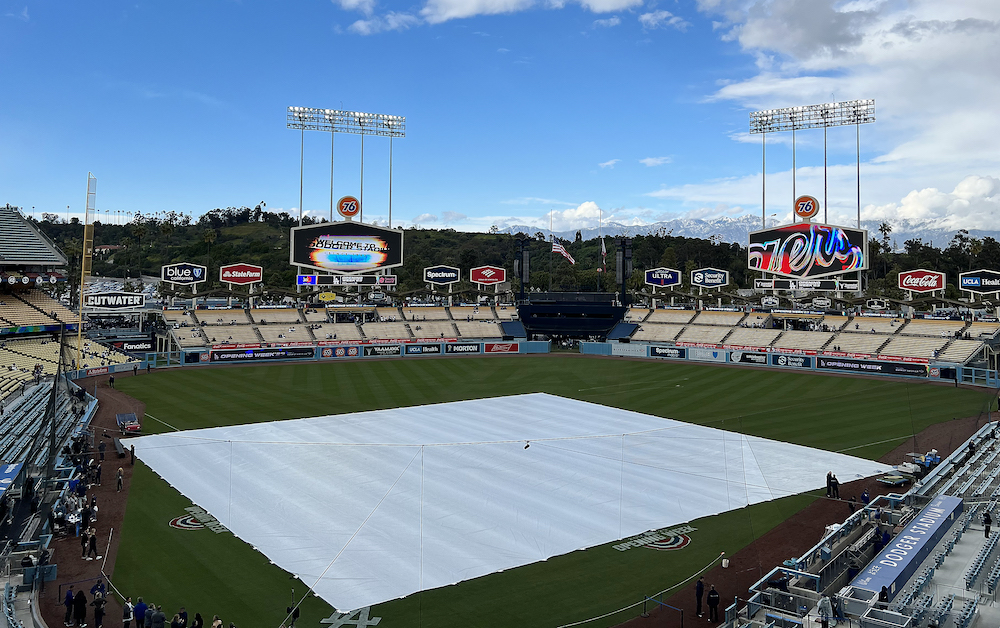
(987, 522)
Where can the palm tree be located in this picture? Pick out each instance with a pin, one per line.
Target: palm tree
(209, 238)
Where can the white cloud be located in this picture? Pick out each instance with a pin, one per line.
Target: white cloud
(437, 11)
(425, 218)
(611, 21)
(973, 204)
(658, 19)
(21, 15)
(391, 21)
(503, 50)
(451, 217)
(365, 6)
(608, 6)
(609, 164)
(655, 161)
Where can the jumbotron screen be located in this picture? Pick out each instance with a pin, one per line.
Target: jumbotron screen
(808, 250)
(346, 247)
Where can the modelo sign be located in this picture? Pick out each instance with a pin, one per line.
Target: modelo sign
(346, 247)
(114, 301)
(663, 277)
(241, 274)
(442, 275)
(808, 250)
(709, 278)
(183, 273)
(980, 281)
(488, 275)
(921, 280)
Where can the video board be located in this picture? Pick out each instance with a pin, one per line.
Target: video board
(346, 247)
(808, 250)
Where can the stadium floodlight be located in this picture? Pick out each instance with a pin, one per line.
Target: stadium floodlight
(336, 121)
(823, 116)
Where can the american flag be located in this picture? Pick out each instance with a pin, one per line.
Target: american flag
(560, 249)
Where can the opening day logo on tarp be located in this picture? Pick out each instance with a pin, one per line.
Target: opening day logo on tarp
(662, 540)
(197, 519)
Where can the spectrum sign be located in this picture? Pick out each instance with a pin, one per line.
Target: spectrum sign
(921, 280)
(442, 275)
(980, 281)
(807, 250)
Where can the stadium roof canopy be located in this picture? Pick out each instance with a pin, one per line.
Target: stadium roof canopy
(21, 244)
(373, 506)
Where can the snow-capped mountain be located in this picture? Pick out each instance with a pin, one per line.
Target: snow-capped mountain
(737, 229)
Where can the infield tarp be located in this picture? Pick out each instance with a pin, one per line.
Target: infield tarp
(377, 505)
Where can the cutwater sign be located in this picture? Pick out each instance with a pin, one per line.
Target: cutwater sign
(442, 275)
(663, 277)
(183, 273)
(114, 301)
(709, 278)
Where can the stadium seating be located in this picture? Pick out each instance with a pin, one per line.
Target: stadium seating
(433, 329)
(48, 305)
(388, 314)
(922, 327)
(285, 333)
(657, 332)
(425, 314)
(804, 340)
(177, 317)
(681, 317)
(858, 343)
(478, 329)
(461, 313)
(750, 337)
(16, 312)
(230, 334)
(865, 325)
(710, 334)
(275, 315)
(977, 329)
(337, 331)
(385, 331)
(960, 350)
(636, 314)
(913, 347)
(505, 313)
(707, 317)
(221, 317)
(835, 323)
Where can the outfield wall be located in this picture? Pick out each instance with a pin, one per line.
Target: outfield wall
(815, 362)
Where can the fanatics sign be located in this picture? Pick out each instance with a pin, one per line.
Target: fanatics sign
(921, 280)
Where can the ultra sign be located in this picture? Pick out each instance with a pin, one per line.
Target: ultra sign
(184, 273)
(709, 277)
(442, 275)
(663, 277)
(980, 281)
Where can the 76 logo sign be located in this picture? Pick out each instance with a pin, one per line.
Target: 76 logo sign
(806, 206)
(348, 207)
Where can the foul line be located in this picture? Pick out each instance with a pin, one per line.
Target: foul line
(163, 422)
(878, 442)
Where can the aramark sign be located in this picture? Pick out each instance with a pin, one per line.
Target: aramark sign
(980, 281)
(114, 301)
(184, 273)
(442, 275)
(709, 278)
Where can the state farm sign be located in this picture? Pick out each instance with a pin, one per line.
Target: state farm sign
(921, 280)
(241, 274)
(488, 275)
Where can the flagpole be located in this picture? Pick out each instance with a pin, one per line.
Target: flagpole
(551, 242)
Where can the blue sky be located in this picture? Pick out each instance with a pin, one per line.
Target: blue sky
(635, 110)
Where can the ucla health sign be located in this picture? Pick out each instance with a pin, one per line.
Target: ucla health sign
(980, 281)
(663, 277)
(709, 278)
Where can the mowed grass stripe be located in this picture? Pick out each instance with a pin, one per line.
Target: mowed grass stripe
(217, 573)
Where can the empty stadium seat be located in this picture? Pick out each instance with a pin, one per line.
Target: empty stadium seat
(478, 329)
(657, 332)
(707, 317)
(681, 317)
(804, 340)
(425, 313)
(751, 337)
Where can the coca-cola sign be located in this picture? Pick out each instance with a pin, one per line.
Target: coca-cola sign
(921, 280)
(808, 250)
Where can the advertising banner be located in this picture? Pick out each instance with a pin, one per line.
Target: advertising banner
(241, 274)
(628, 349)
(423, 349)
(797, 361)
(500, 347)
(813, 285)
(135, 345)
(807, 250)
(345, 247)
(251, 355)
(184, 273)
(663, 277)
(462, 347)
(921, 280)
(981, 281)
(878, 368)
(345, 280)
(747, 357)
(114, 301)
(706, 355)
(442, 275)
(709, 278)
(8, 473)
(376, 350)
(677, 353)
(769, 301)
(347, 351)
(488, 275)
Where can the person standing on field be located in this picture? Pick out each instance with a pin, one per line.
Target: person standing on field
(713, 605)
(699, 593)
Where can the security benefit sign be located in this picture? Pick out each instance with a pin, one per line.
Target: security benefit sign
(806, 250)
(980, 281)
(663, 277)
(183, 273)
(709, 278)
(346, 247)
(114, 301)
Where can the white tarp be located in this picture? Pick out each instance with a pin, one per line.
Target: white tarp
(376, 505)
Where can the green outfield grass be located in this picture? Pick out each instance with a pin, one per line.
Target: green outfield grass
(216, 573)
